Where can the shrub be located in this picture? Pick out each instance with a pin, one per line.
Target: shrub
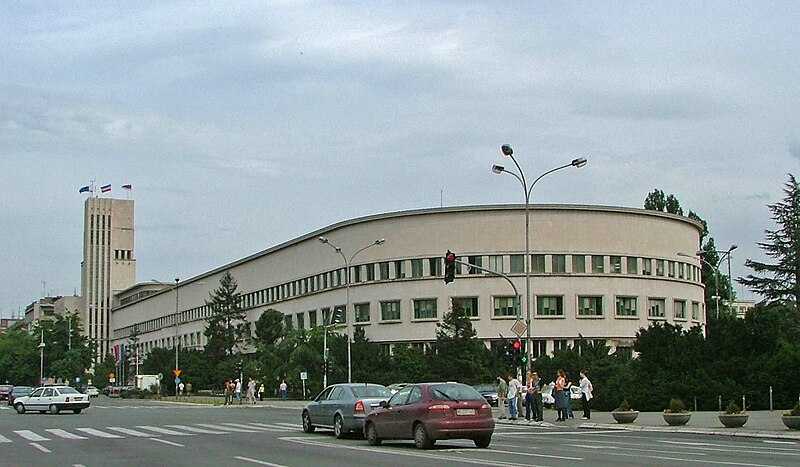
(625, 406)
(795, 412)
(676, 406)
(732, 408)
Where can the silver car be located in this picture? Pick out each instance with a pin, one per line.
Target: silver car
(343, 407)
(52, 399)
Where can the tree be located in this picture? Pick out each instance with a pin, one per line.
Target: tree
(227, 327)
(780, 282)
(458, 354)
(269, 328)
(655, 201)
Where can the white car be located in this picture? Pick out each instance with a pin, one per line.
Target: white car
(547, 393)
(52, 399)
(91, 391)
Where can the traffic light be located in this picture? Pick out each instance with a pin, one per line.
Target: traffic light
(449, 267)
(336, 318)
(239, 366)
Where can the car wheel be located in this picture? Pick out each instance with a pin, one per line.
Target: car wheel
(307, 426)
(372, 435)
(338, 427)
(54, 409)
(483, 441)
(421, 438)
(77, 411)
(20, 408)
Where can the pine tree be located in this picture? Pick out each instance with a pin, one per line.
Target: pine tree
(226, 325)
(780, 282)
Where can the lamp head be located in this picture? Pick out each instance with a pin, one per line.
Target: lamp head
(323, 240)
(733, 247)
(579, 162)
(498, 169)
(507, 150)
(380, 241)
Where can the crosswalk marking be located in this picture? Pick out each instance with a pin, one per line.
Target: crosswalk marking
(217, 427)
(163, 431)
(3, 439)
(64, 434)
(290, 425)
(271, 427)
(128, 431)
(243, 428)
(199, 430)
(98, 433)
(30, 436)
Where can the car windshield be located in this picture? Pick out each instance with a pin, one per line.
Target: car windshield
(371, 390)
(68, 390)
(454, 392)
(22, 390)
(485, 387)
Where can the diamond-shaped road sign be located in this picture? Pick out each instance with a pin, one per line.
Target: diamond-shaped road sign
(518, 328)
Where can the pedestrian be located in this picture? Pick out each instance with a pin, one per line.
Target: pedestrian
(238, 390)
(533, 398)
(261, 392)
(180, 388)
(283, 388)
(558, 395)
(586, 394)
(502, 396)
(514, 390)
(228, 392)
(568, 393)
(251, 391)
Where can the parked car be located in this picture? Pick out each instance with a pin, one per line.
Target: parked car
(489, 392)
(343, 407)
(91, 391)
(397, 386)
(52, 399)
(5, 391)
(19, 391)
(428, 412)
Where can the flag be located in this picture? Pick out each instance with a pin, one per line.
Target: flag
(84, 189)
(127, 187)
(116, 352)
(105, 188)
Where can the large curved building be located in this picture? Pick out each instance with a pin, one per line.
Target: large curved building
(599, 273)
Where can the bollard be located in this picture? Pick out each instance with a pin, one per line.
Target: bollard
(720, 403)
(744, 403)
(695, 404)
(770, 398)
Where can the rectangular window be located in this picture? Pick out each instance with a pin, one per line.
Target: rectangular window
(598, 264)
(469, 305)
(342, 313)
(695, 311)
(560, 344)
(287, 321)
(579, 264)
(300, 321)
(326, 316)
(312, 318)
(671, 269)
(660, 267)
(681, 270)
(633, 265)
(647, 266)
(416, 268)
(362, 312)
(549, 306)
(435, 266)
(370, 272)
(399, 269)
(537, 264)
(626, 306)
(477, 261)
(390, 311)
(356, 274)
(680, 309)
(425, 308)
(656, 308)
(504, 306)
(384, 270)
(496, 263)
(616, 264)
(590, 306)
(517, 264)
(559, 264)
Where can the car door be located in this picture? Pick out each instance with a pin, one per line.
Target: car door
(329, 406)
(316, 410)
(48, 396)
(34, 400)
(392, 418)
(414, 409)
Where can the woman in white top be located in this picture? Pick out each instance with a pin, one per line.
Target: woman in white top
(586, 394)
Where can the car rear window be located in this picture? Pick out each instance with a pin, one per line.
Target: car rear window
(68, 390)
(454, 392)
(362, 392)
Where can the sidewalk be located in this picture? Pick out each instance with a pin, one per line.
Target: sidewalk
(761, 424)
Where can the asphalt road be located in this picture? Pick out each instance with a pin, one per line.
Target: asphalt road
(136, 433)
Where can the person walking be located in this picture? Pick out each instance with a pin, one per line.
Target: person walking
(529, 396)
(180, 388)
(238, 390)
(283, 388)
(568, 394)
(251, 391)
(228, 393)
(514, 391)
(586, 394)
(536, 397)
(261, 392)
(502, 396)
(560, 402)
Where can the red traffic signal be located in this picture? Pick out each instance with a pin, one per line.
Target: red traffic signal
(517, 345)
(449, 267)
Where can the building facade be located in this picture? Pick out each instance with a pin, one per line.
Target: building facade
(108, 265)
(599, 273)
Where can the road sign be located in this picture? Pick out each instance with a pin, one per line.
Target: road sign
(111, 376)
(303, 375)
(518, 328)
(177, 381)
(176, 372)
(112, 380)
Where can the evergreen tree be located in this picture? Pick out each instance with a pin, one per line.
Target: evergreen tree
(227, 327)
(780, 282)
(269, 328)
(458, 354)
(655, 201)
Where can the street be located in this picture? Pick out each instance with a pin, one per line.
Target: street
(135, 433)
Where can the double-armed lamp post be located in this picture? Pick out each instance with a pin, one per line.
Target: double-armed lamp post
(715, 268)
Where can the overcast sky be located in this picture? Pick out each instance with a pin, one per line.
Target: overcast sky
(242, 125)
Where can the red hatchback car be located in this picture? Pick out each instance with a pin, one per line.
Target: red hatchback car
(428, 412)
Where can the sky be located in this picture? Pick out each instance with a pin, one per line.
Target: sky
(242, 125)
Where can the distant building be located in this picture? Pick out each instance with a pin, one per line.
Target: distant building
(741, 307)
(6, 323)
(48, 307)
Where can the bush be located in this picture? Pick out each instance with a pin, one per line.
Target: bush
(676, 406)
(732, 408)
(795, 412)
(625, 406)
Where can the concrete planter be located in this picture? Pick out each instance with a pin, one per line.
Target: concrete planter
(733, 420)
(792, 422)
(677, 419)
(625, 417)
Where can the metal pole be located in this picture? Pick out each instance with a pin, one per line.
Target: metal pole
(325, 352)
(176, 330)
(41, 359)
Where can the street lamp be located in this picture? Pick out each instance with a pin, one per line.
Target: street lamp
(527, 189)
(41, 359)
(347, 263)
(716, 277)
(175, 342)
(715, 267)
(723, 254)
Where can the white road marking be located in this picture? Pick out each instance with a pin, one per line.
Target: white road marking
(612, 452)
(163, 431)
(264, 426)
(290, 425)
(244, 429)
(40, 447)
(640, 449)
(64, 434)
(129, 432)
(98, 433)
(779, 442)
(203, 431)
(256, 461)
(3, 439)
(30, 436)
(216, 427)
(167, 442)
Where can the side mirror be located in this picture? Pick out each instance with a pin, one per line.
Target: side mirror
(384, 404)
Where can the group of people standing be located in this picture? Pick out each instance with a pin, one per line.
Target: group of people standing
(234, 389)
(531, 396)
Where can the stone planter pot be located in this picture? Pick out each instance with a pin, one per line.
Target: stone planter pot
(625, 417)
(677, 419)
(733, 420)
(791, 421)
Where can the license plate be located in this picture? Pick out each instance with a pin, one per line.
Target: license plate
(465, 411)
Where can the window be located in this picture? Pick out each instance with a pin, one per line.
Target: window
(312, 318)
(496, 263)
(579, 264)
(504, 306)
(287, 321)
(660, 267)
(633, 265)
(356, 274)
(616, 264)
(326, 316)
(590, 306)
(362, 312)
(425, 308)
(390, 311)
(598, 266)
(695, 310)
(370, 272)
(517, 264)
(549, 306)
(681, 270)
(656, 307)
(468, 304)
(477, 261)
(383, 270)
(435, 266)
(399, 270)
(559, 264)
(537, 264)
(300, 323)
(626, 306)
(342, 313)
(680, 309)
(416, 268)
(560, 344)
(671, 268)
(647, 266)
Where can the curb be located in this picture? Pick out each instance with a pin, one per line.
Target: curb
(695, 431)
